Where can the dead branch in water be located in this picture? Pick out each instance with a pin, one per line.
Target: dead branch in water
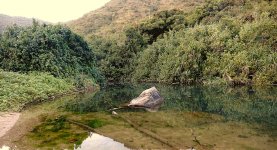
(82, 125)
(148, 133)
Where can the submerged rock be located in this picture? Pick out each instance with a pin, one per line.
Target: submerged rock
(149, 99)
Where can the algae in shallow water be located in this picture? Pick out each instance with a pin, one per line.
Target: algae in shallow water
(96, 123)
(57, 133)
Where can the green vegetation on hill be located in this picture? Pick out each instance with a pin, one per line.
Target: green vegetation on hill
(116, 15)
(222, 41)
(117, 61)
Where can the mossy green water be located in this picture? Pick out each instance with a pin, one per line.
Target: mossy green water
(57, 133)
(95, 123)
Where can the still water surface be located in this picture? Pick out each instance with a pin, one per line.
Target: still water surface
(247, 104)
(201, 117)
(96, 141)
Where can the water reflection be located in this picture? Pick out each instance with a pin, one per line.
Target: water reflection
(96, 141)
(232, 103)
(218, 117)
(5, 148)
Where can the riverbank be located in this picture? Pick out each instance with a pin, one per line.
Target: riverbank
(19, 90)
(20, 127)
(31, 117)
(7, 121)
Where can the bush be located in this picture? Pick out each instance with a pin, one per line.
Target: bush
(117, 61)
(46, 48)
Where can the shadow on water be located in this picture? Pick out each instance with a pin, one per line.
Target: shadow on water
(249, 104)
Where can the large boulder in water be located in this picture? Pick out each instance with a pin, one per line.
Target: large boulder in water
(149, 99)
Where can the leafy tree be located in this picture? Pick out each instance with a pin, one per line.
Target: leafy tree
(209, 9)
(116, 61)
(46, 48)
(161, 23)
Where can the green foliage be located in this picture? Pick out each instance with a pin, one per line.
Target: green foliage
(161, 23)
(214, 51)
(85, 83)
(223, 41)
(179, 57)
(210, 8)
(46, 48)
(116, 61)
(250, 55)
(112, 59)
(262, 31)
(17, 90)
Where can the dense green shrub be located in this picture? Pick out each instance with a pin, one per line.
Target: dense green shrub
(117, 61)
(180, 56)
(111, 59)
(46, 48)
(161, 23)
(207, 12)
(244, 53)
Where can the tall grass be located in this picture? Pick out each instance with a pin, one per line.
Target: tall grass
(17, 90)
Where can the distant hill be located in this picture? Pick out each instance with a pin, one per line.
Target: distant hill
(6, 20)
(116, 14)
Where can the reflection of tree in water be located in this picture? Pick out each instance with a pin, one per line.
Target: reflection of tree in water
(239, 104)
(103, 100)
(232, 103)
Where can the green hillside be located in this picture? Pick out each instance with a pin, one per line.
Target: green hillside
(117, 15)
(221, 41)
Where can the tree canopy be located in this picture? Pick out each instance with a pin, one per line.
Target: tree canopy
(46, 48)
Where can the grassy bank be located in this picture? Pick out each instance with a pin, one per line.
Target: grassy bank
(17, 90)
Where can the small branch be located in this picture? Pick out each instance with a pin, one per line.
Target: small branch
(148, 133)
(82, 125)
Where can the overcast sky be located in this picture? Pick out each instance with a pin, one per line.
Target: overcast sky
(50, 10)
